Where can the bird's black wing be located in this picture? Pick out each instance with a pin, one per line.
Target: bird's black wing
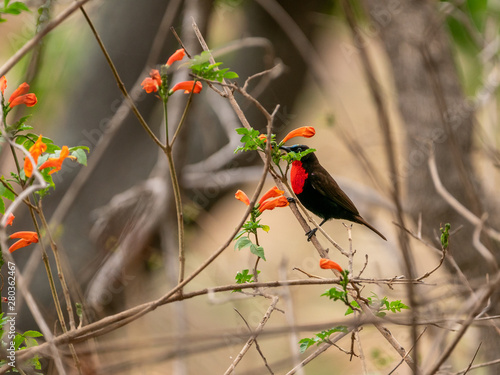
(324, 183)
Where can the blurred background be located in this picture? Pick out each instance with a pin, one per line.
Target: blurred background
(383, 85)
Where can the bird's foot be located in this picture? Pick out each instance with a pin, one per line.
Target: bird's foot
(290, 199)
(311, 233)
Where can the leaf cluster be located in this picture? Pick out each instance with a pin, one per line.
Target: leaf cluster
(20, 341)
(321, 337)
(244, 277)
(384, 305)
(201, 67)
(15, 8)
(245, 241)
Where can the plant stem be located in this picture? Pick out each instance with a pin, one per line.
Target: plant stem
(178, 207)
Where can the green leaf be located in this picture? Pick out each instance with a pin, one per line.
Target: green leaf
(242, 242)
(18, 340)
(81, 156)
(335, 294)
(231, 75)
(257, 250)
(6, 193)
(350, 309)
(32, 334)
(305, 344)
(15, 8)
(265, 228)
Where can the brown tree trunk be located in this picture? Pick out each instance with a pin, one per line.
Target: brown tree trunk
(436, 114)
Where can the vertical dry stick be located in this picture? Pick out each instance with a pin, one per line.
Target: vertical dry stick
(384, 122)
(290, 317)
(250, 341)
(361, 354)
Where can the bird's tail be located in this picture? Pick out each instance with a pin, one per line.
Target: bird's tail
(360, 220)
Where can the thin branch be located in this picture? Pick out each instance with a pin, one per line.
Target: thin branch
(33, 42)
(121, 86)
(486, 294)
(473, 358)
(250, 341)
(256, 343)
(453, 202)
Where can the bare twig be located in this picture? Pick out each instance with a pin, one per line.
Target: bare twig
(486, 291)
(256, 343)
(453, 202)
(33, 42)
(250, 341)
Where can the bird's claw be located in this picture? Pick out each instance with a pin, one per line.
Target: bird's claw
(290, 199)
(311, 233)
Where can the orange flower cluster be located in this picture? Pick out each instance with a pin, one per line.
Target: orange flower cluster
(57, 162)
(36, 150)
(20, 95)
(153, 82)
(266, 202)
(329, 264)
(39, 148)
(25, 238)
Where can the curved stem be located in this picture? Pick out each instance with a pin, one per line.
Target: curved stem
(178, 208)
(182, 120)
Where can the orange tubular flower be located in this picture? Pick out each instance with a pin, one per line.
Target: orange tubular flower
(271, 193)
(29, 99)
(25, 238)
(241, 196)
(328, 264)
(57, 162)
(305, 131)
(10, 219)
(177, 55)
(153, 82)
(187, 86)
(3, 84)
(22, 89)
(21, 96)
(36, 150)
(272, 204)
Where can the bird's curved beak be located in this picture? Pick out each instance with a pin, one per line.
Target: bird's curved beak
(286, 148)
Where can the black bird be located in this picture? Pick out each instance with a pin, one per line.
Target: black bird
(320, 193)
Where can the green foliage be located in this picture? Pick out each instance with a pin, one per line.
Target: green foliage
(14, 8)
(251, 141)
(384, 305)
(201, 67)
(244, 277)
(342, 295)
(292, 156)
(244, 242)
(19, 341)
(318, 338)
(6, 192)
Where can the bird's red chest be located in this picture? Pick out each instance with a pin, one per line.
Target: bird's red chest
(298, 176)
